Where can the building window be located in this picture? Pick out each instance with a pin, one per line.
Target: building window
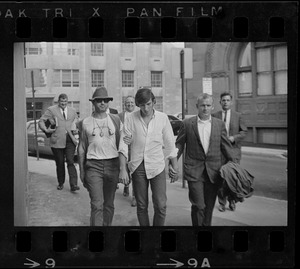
(155, 50)
(127, 79)
(66, 78)
(36, 48)
(97, 49)
(159, 103)
(245, 72)
(268, 68)
(127, 49)
(38, 110)
(156, 79)
(97, 78)
(64, 48)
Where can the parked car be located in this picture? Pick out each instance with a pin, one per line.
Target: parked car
(178, 115)
(43, 141)
(175, 123)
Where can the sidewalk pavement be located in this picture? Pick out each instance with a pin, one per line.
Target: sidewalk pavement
(50, 207)
(280, 153)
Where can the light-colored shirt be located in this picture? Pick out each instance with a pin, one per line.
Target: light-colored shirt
(65, 110)
(101, 137)
(153, 143)
(227, 123)
(204, 129)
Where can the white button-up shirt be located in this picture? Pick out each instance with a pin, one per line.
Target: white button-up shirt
(204, 129)
(227, 123)
(153, 143)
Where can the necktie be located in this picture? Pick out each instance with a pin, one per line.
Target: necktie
(64, 114)
(225, 117)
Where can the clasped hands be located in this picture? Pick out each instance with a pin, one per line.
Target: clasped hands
(173, 173)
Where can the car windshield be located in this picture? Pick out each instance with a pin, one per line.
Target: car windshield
(172, 117)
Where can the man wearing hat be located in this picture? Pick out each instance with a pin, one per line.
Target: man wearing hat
(98, 158)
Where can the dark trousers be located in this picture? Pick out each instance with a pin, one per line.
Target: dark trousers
(101, 179)
(62, 154)
(202, 195)
(159, 197)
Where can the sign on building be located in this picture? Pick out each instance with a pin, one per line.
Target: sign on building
(188, 62)
(38, 78)
(207, 85)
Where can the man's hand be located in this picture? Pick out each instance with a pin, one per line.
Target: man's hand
(123, 176)
(173, 173)
(231, 139)
(82, 175)
(127, 139)
(50, 130)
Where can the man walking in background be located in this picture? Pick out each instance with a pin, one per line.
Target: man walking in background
(236, 132)
(62, 142)
(129, 107)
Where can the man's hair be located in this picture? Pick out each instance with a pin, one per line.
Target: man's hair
(62, 96)
(129, 96)
(203, 96)
(143, 95)
(225, 94)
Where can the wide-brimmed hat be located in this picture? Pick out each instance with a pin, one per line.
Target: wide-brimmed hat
(101, 93)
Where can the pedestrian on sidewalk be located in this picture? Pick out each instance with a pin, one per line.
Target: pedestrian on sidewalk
(98, 158)
(147, 131)
(236, 132)
(129, 107)
(63, 119)
(205, 140)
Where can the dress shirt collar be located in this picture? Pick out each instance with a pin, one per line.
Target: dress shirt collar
(203, 121)
(153, 115)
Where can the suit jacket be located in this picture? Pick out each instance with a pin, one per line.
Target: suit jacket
(237, 129)
(196, 161)
(113, 111)
(53, 113)
(122, 116)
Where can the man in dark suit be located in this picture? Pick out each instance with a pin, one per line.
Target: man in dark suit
(62, 141)
(206, 140)
(236, 132)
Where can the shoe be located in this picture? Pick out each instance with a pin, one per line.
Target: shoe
(75, 188)
(221, 208)
(133, 202)
(60, 187)
(126, 191)
(232, 205)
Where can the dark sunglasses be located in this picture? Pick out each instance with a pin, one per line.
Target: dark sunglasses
(100, 100)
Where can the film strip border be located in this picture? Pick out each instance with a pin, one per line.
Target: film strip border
(147, 21)
(191, 247)
(165, 22)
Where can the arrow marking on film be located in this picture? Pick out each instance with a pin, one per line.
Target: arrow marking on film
(32, 264)
(177, 263)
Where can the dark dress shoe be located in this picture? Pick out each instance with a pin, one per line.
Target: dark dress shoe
(232, 205)
(221, 208)
(75, 188)
(60, 187)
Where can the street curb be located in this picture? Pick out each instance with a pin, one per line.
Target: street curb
(264, 152)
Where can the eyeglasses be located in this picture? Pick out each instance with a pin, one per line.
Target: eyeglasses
(102, 100)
